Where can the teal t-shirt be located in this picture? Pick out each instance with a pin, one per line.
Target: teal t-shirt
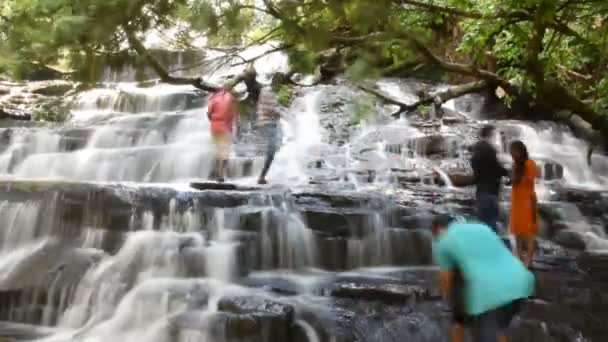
(493, 275)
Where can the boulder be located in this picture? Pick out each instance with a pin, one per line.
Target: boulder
(273, 319)
(9, 112)
(219, 326)
(380, 292)
(39, 72)
(52, 89)
(571, 239)
(461, 179)
(595, 264)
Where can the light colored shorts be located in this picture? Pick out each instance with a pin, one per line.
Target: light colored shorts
(223, 144)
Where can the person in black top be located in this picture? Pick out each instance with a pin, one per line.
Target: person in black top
(487, 172)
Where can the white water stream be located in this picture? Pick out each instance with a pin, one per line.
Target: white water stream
(160, 134)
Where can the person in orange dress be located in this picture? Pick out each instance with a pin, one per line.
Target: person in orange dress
(524, 204)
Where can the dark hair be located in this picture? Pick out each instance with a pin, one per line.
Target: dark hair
(486, 131)
(439, 222)
(519, 165)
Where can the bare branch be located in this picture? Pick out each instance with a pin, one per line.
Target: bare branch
(430, 98)
(160, 70)
(262, 55)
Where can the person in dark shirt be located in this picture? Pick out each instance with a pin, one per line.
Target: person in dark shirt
(487, 172)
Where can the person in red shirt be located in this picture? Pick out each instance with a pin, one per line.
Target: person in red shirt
(222, 113)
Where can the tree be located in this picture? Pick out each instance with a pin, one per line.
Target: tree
(546, 55)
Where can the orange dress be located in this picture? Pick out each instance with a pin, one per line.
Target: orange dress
(521, 221)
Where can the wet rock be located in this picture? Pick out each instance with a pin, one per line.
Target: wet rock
(531, 330)
(8, 112)
(324, 199)
(24, 332)
(52, 89)
(196, 260)
(595, 264)
(218, 326)
(377, 289)
(570, 239)
(275, 284)
(590, 202)
(453, 119)
(217, 186)
(257, 219)
(411, 247)
(552, 171)
(274, 319)
(27, 288)
(333, 252)
(432, 145)
(331, 223)
(461, 179)
(415, 221)
(75, 138)
(386, 292)
(413, 327)
(38, 72)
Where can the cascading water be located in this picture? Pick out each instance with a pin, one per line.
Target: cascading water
(127, 250)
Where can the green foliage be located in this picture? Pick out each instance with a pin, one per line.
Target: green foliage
(285, 95)
(424, 111)
(362, 69)
(364, 38)
(302, 60)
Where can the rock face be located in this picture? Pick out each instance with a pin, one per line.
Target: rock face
(19, 101)
(341, 253)
(387, 306)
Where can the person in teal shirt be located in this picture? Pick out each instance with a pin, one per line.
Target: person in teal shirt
(494, 281)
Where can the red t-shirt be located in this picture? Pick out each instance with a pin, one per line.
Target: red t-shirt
(222, 112)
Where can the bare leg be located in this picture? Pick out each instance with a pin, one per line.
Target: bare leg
(531, 246)
(221, 164)
(519, 246)
(457, 332)
(273, 137)
(267, 163)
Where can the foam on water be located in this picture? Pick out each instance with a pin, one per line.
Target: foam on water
(160, 134)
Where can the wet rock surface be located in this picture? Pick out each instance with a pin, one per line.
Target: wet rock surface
(347, 257)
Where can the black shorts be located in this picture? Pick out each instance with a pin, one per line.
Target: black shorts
(487, 325)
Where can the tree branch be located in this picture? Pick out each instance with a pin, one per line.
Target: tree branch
(160, 70)
(464, 14)
(262, 55)
(462, 69)
(437, 98)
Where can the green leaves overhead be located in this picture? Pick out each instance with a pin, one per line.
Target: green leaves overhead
(366, 39)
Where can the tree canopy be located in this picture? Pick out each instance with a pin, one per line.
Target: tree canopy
(551, 55)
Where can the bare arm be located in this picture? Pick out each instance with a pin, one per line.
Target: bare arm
(209, 110)
(445, 282)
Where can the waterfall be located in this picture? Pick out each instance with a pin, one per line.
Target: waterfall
(103, 237)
